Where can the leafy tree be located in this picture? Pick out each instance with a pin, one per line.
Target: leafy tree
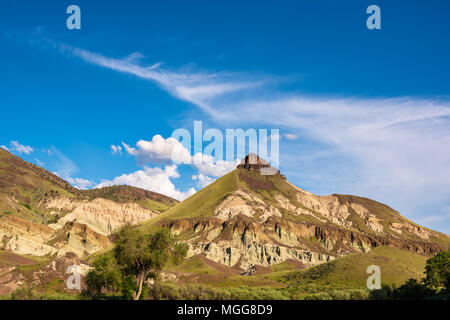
(412, 289)
(437, 277)
(105, 276)
(135, 258)
(437, 271)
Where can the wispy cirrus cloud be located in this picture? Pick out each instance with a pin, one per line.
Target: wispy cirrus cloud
(391, 149)
(199, 88)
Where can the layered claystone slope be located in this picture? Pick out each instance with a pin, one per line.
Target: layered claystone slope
(41, 214)
(249, 218)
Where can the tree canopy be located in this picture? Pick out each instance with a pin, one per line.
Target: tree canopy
(135, 258)
(437, 271)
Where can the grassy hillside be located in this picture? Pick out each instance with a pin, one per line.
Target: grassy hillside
(147, 199)
(396, 266)
(23, 187)
(344, 278)
(202, 203)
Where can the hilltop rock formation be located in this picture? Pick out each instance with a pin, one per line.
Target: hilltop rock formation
(263, 220)
(250, 218)
(253, 162)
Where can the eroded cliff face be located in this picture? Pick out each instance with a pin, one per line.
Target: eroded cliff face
(101, 215)
(28, 238)
(247, 230)
(83, 229)
(78, 238)
(243, 242)
(41, 214)
(241, 220)
(25, 237)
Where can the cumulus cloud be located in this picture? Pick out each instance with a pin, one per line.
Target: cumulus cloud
(202, 180)
(153, 179)
(170, 150)
(391, 149)
(159, 150)
(206, 164)
(20, 148)
(116, 149)
(4, 148)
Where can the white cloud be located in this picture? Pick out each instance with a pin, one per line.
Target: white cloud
(171, 171)
(199, 88)
(391, 149)
(159, 150)
(290, 136)
(170, 150)
(80, 183)
(208, 165)
(20, 148)
(202, 180)
(116, 149)
(152, 179)
(4, 148)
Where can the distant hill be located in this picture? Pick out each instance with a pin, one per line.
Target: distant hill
(245, 219)
(24, 187)
(39, 211)
(249, 234)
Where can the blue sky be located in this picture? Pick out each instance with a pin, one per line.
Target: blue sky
(360, 111)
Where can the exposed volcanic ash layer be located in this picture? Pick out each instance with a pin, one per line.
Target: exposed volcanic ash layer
(245, 222)
(263, 220)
